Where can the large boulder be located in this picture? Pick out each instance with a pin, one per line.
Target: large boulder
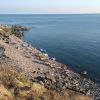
(2, 49)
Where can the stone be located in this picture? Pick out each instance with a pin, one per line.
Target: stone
(50, 77)
(39, 78)
(88, 92)
(2, 49)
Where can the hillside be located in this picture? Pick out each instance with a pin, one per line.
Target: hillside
(28, 74)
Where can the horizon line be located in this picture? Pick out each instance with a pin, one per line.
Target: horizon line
(44, 13)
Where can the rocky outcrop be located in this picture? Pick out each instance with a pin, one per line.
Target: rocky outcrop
(2, 51)
(21, 28)
(7, 30)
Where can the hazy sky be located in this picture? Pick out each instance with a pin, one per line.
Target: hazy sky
(49, 6)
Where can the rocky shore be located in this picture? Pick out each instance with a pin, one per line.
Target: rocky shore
(40, 68)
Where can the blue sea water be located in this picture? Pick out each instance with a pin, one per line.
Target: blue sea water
(72, 39)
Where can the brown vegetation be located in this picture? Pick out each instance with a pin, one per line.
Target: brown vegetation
(15, 86)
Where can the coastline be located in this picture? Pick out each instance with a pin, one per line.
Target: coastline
(37, 66)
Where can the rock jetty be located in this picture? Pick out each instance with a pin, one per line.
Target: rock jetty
(39, 68)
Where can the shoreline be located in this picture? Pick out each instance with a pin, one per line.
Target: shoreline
(41, 69)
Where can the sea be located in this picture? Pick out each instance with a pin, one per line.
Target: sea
(73, 39)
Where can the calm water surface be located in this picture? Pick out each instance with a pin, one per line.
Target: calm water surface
(72, 39)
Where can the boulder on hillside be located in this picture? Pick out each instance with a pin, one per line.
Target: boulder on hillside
(2, 49)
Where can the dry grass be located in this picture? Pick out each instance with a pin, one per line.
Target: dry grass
(16, 86)
(11, 78)
(80, 97)
(38, 89)
(12, 81)
(6, 77)
(5, 94)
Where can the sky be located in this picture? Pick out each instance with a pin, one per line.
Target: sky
(49, 6)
